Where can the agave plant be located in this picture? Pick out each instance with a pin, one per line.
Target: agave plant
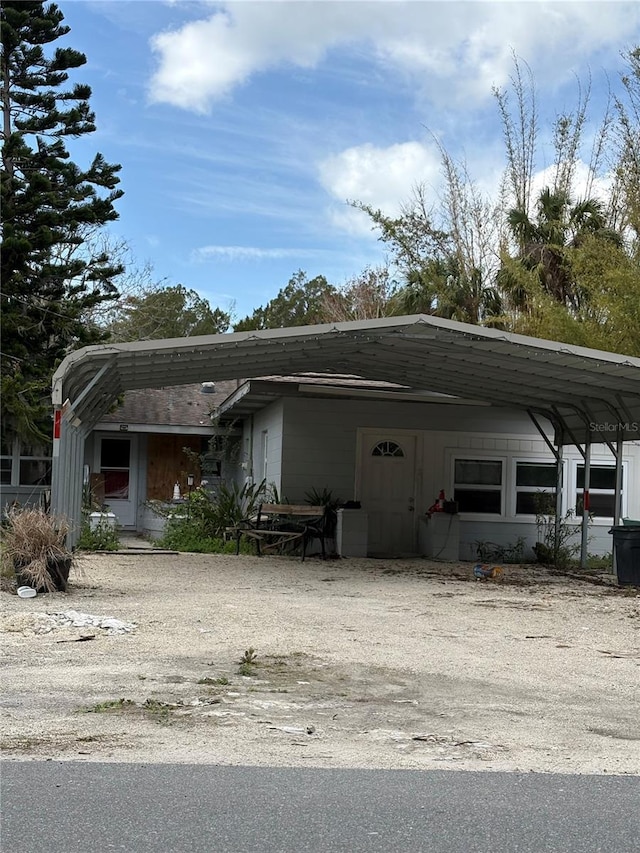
(33, 545)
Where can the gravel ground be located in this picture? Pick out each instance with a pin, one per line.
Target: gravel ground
(358, 663)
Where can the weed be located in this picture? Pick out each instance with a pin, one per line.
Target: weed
(249, 656)
(110, 705)
(161, 711)
(491, 552)
(102, 537)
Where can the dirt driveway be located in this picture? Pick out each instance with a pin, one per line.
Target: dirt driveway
(358, 663)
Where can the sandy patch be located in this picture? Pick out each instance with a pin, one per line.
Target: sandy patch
(359, 663)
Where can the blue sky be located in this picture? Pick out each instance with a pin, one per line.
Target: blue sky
(243, 127)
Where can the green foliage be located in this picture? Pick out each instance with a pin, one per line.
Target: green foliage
(50, 206)
(562, 266)
(169, 312)
(556, 545)
(249, 655)
(248, 662)
(297, 304)
(324, 497)
(513, 552)
(185, 535)
(110, 705)
(205, 517)
(103, 537)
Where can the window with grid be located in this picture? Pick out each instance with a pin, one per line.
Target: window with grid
(535, 488)
(602, 490)
(387, 448)
(26, 465)
(478, 485)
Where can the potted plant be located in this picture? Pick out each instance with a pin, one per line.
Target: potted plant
(34, 544)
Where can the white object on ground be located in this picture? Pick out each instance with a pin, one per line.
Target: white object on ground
(27, 592)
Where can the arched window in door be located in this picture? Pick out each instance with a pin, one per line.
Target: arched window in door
(387, 448)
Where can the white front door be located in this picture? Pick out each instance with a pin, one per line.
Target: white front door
(387, 491)
(115, 461)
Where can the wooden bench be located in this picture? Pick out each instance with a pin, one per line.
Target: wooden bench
(279, 526)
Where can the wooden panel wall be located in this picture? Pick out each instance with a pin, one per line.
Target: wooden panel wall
(168, 464)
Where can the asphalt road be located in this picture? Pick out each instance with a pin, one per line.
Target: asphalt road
(63, 807)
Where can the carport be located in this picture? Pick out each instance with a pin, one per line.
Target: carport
(587, 395)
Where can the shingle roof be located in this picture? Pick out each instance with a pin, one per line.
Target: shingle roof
(179, 405)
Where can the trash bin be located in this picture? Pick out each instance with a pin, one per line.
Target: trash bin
(626, 548)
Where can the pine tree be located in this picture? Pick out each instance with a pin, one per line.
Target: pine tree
(50, 207)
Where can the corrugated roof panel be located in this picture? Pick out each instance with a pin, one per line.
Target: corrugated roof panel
(422, 352)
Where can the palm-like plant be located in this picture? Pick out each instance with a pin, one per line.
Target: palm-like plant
(443, 288)
(544, 244)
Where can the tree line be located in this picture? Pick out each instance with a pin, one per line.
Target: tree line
(557, 260)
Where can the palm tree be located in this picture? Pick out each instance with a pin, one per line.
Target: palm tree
(544, 245)
(443, 288)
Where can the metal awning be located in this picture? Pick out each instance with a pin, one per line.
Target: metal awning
(588, 395)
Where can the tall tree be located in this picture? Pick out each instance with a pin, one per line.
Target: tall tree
(445, 254)
(626, 161)
(367, 296)
(168, 312)
(299, 303)
(49, 205)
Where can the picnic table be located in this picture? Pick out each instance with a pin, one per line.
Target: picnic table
(282, 527)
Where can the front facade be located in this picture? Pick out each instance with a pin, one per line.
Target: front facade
(392, 451)
(150, 447)
(395, 455)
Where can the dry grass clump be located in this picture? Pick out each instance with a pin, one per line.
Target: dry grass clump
(32, 542)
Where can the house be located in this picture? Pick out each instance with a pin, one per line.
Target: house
(155, 439)
(386, 412)
(377, 443)
(393, 450)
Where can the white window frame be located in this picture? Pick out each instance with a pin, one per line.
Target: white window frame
(515, 488)
(16, 459)
(572, 494)
(481, 456)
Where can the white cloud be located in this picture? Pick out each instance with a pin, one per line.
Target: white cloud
(247, 253)
(380, 177)
(453, 52)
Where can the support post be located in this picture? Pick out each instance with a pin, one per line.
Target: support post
(558, 520)
(585, 505)
(617, 511)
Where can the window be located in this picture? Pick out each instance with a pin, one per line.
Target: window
(26, 465)
(115, 454)
(478, 485)
(35, 472)
(387, 448)
(602, 490)
(5, 470)
(535, 488)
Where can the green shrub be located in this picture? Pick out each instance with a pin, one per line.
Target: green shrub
(103, 537)
(183, 534)
(204, 518)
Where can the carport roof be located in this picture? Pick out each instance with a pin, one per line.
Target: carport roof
(587, 394)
